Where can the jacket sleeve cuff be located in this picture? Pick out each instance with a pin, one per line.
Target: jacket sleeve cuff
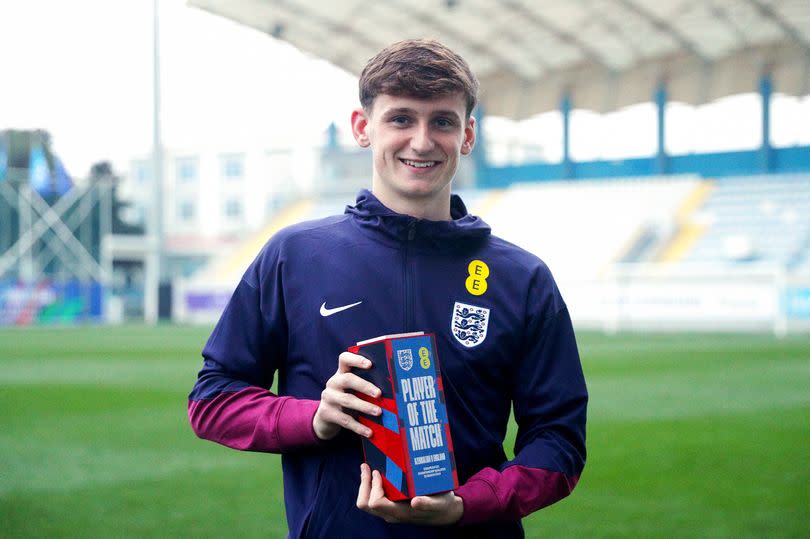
(294, 423)
(480, 500)
(512, 494)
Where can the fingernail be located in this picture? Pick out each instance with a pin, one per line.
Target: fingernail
(377, 411)
(367, 433)
(367, 363)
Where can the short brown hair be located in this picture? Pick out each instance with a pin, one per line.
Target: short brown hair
(422, 68)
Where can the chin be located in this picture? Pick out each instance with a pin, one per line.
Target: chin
(418, 185)
(421, 191)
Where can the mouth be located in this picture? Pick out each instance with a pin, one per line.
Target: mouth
(414, 163)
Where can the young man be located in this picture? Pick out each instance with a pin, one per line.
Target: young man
(406, 257)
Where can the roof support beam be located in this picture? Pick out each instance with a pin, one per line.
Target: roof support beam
(565, 111)
(768, 12)
(566, 37)
(661, 160)
(664, 27)
(298, 11)
(480, 47)
(722, 14)
(766, 152)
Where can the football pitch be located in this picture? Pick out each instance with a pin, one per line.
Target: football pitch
(688, 436)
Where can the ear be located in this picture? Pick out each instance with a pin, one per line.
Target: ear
(360, 127)
(469, 137)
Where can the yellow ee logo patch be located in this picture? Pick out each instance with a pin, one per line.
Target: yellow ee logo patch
(424, 358)
(477, 281)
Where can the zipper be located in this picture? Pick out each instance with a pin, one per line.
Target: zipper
(408, 278)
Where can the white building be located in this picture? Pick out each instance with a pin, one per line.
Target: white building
(212, 199)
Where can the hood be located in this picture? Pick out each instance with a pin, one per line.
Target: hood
(376, 219)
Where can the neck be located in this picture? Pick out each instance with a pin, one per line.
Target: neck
(434, 208)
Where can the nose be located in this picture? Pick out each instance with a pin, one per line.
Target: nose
(422, 141)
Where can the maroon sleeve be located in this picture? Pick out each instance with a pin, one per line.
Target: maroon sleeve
(511, 494)
(254, 419)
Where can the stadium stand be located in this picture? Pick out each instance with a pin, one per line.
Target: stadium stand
(755, 221)
(629, 252)
(580, 228)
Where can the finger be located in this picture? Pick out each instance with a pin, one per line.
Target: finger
(349, 381)
(435, 503)
(377, 500)
(378, 504)
(338, 399)
(349, 401)
(365, 487)
(337, 417)
(422, 503)
(377, 492)
(347, 360)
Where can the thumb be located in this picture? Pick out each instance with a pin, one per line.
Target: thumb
(431, 503)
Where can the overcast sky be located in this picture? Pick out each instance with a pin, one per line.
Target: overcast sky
(82, 69)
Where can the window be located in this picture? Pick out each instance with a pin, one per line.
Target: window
(233, 209)
(142, 172)
(233, 166)
(185, 211)
(186, 169)
(133, 214)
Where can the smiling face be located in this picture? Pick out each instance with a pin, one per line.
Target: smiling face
(415, 144)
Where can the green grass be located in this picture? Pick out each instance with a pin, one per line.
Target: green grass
(688, 436)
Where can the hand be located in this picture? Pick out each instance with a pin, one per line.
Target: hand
(435, 510)
(336, 398)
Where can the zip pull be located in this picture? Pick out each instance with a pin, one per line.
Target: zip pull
(411, 230)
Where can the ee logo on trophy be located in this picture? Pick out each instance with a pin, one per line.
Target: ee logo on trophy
(424, 358)
(477, 281)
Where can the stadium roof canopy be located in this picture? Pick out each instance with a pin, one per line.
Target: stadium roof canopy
(604, 54)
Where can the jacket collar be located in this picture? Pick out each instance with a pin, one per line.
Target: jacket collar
(375, 218)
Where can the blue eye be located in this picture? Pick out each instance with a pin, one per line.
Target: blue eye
(401, 120)
(444, 122)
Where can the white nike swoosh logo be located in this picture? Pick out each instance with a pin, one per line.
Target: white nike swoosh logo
(330, 312)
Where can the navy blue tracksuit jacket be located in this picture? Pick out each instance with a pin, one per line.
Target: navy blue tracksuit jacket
(399, 274)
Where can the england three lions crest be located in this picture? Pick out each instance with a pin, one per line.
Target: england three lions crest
(469, 325)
